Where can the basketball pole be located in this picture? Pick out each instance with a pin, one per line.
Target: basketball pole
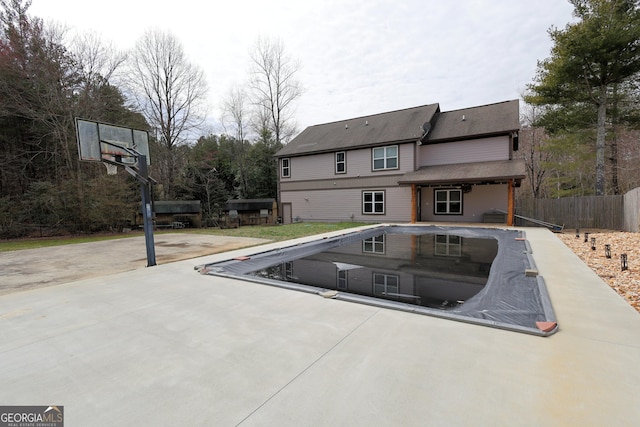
(146, 210)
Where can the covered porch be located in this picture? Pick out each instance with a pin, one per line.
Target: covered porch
(467, 192)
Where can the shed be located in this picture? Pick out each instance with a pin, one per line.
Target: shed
(239, 212)
(177, 213)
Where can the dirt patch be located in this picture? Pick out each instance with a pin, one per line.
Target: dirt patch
(625, 282)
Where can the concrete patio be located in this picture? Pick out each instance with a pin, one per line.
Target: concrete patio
(168, 346)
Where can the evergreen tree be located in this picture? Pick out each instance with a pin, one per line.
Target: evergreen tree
(589, 59)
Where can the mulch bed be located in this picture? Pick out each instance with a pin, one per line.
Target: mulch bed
(626, 283)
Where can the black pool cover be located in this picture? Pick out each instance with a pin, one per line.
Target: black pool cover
(485, 276)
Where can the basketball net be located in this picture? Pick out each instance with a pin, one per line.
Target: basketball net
(111, 169)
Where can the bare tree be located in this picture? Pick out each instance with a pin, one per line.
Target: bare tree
(235, 113)
(235, 122)
(170, 92)
(274, 86)
(532, 149)
(98, 60)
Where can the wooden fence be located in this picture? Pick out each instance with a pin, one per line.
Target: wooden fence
(605, 212)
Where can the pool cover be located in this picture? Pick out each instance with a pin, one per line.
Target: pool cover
(513, 298)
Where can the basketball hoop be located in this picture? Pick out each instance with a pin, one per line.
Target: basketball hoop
(111, 169)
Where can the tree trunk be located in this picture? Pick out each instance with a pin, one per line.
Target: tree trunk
(600, 139)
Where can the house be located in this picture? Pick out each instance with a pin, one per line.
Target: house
(416, 164)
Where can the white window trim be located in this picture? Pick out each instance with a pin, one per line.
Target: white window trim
(344, 162)
(342, 280)
(385, 158)
(373, 202)
(283, 167)
(448, 202)
(386, 284)
(447, 247)
(377, 244)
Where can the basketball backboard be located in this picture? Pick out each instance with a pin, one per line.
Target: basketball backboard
(102, 142)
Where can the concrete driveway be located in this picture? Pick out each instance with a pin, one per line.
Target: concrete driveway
(36, 268)
(167, 346)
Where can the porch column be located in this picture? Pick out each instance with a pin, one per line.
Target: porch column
(510, 203)
(414, 204)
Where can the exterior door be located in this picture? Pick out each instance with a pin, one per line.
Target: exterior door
(287, 213)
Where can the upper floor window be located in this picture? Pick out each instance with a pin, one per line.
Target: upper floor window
(448, 202)
(341, 162)
(342, 280)
(385, 158)
(448, 245)
(285, 168)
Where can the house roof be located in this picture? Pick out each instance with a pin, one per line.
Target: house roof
(484, 120)
(377, 129)
(406, 126)
(467, 172)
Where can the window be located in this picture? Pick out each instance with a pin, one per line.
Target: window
(448, 245)
(448, 202)
(341, 280)
(341, 162)
(385, 158)
(374, 245)
(373, 202)
(287, 270)
(286, 168)
(385, 284)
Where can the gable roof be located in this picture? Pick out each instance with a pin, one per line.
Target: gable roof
(481, 121)
(366, 131)
(406, 126)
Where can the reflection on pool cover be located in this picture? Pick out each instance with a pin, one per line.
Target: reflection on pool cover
(476, 275)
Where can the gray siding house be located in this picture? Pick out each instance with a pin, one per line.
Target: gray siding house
(416, 164)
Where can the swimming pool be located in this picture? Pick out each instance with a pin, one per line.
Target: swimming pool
(485, 276)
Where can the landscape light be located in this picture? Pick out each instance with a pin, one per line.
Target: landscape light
(607, 251)
(593, 243)
(623, 262)
(586, 237)
(577, 233)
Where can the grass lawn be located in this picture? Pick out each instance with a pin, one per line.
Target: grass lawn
(270, 232)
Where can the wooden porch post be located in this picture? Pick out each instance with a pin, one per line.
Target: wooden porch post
(510, 203)
(414, 204)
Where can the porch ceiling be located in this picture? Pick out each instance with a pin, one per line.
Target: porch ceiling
(466, 172)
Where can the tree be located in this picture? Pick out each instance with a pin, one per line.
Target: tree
(235, 121)
(38, 83)
(532, 149)
(274, 86)
(43, 86)
(588, 59)
(263, 171)
(170, 92)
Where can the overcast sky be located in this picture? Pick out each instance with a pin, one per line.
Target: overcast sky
(358, 57)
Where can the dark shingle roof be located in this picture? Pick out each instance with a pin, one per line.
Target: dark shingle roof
(249, 204)
(484, 120)
(467, 172)
(176, 206)
(404, 126)
(377, 129)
